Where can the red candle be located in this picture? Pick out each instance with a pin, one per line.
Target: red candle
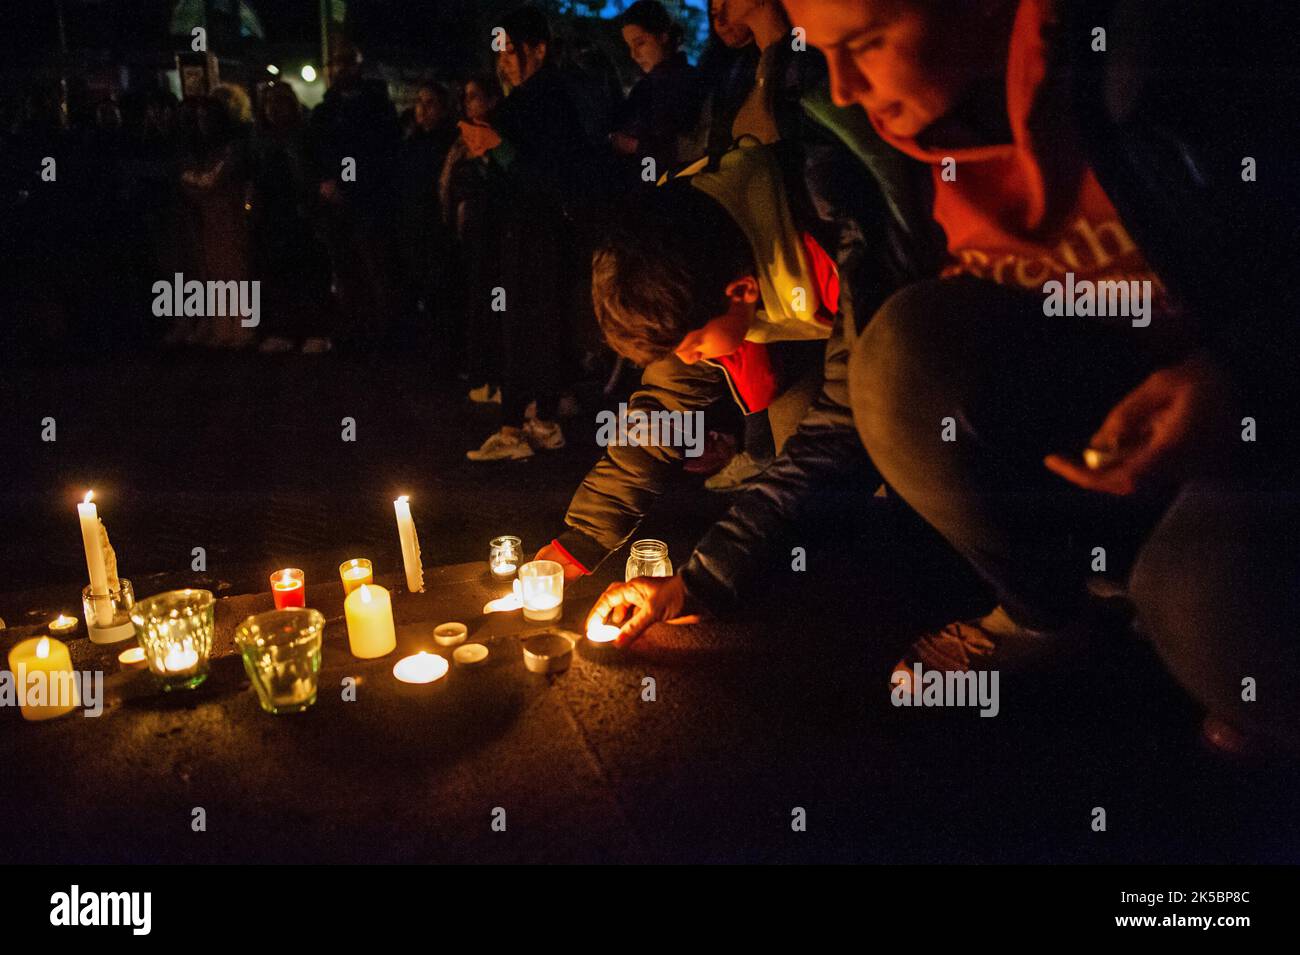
(289, 588)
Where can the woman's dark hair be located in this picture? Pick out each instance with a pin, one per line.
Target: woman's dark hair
(661, 268)
(651, 16)
(527, 24)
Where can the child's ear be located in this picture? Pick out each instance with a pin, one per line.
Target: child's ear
(743, 289)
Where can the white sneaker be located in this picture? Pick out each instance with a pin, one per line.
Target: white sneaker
(508, 444)
(739, 471)
(543, 435)
(485, 395)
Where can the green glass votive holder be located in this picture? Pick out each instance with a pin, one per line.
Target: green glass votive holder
(281, 651)
(175, 630)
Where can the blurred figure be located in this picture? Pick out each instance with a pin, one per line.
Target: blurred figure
(423, 241)
(536, 146)
(353, 139)
(665, 103)
(291, 263)
(468, 215)
(216, 177)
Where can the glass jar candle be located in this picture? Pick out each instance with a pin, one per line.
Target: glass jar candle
(542, 589)
(648, 558)
(289, 588)
(356, 572)
(175, 629)
(505, 556)
(281, 652)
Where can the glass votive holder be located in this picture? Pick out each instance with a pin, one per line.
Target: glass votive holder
(289, 588)
(175, 630)
(505, 556)
(542, 589)
(281, 651)
(648, 558)
(356, 572)
(108, 617)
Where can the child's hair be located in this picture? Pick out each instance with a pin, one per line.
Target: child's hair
(651, 16)
(661, 269)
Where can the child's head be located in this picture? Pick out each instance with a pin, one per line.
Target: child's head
(673, 273)
(906, 62)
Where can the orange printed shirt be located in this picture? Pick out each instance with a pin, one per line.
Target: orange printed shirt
(1029, 211)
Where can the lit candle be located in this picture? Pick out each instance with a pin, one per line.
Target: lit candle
(423, 667)
(90, 540)
(503, 556)
(543, 589)
(410, 545)
(47, 685)
(356, 572)
(289, 588)
(600, 632)
(180, 659)
(369, 612)
(132, 659)
(62, 627)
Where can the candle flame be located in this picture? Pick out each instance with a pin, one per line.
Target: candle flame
(89, 495)
(402, 500)
(43, 648)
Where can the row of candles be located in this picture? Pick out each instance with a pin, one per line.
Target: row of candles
(280, 648)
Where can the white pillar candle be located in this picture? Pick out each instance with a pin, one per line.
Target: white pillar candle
(90, 540)
(410, 545)
(369, 612)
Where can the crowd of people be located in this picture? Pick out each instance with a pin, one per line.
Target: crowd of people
(843, 221)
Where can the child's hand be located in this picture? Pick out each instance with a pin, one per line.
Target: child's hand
(550, 552)
(647, 600)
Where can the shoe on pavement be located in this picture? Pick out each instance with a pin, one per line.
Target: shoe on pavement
(508, 444)
(740, 470)
(993, 642)
(485, 395)
(543, 435)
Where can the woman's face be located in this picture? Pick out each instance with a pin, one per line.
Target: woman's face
(906, 64)
(733, 34)
(648, 50)
(476, 103)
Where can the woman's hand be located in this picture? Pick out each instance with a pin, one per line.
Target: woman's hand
(1163, 431)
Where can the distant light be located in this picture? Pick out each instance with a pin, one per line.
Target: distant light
(309, 73)
(272, 69)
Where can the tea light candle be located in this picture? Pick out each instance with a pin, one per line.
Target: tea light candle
(356, 572)
(180, 659)
(542, 583)
(132, 659)
(600, 632)
(410, 545)
(54, 691)
(289, 588)
(422, 667)
(369, 613)
(62, 627)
